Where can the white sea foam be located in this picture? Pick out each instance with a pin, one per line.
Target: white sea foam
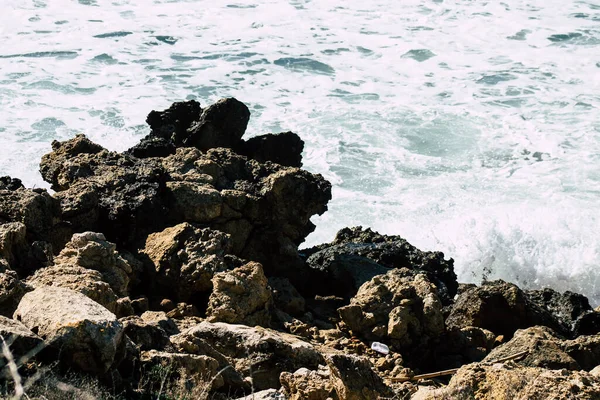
(467, 127)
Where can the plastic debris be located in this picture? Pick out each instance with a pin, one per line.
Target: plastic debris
(380, 348)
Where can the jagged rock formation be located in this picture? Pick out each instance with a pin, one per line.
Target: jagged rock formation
(178, 260)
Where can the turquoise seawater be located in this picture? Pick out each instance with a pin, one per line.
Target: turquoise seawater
(470, 127)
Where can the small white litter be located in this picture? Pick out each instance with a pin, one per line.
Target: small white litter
(380, 348)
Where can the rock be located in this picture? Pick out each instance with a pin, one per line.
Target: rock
(85, 334)
(268, 394)
(565, 307)
(596, 371)
(354, 379)
(159, 318)
(169, 129)
(286, 297)
(92, 251)
(200, 369)
(152, 147)
(146, 335)
(254, 351)
(587, 324)
(8, 183)
(124, 307)
(457, 347)
(543, 349)
(265, 207)
(12, 291)
(509, 381)
(103, 191)
(85, 281)
(221, 125)
(584, 349)
(499, 307)
(183, 259)
(283, 148)
(193, 202)
(19, 339)
(401, 307)
(140, 305)
(12, 242)
(357, 255)
(305, 384)
(240, 296)
(233, 381)
(36, 209)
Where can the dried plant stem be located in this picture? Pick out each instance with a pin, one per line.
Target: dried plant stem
(453, 370)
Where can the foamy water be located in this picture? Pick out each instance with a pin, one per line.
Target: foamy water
(467, 127)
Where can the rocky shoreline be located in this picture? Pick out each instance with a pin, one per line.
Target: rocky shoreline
(176, 264)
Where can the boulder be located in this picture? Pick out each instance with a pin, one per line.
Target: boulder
(401, 307)
(88, 282)
(19, 338)
(202, 370)
(146, 335)
(92, 251)
(585, 350)
(183, 259)
(240, 296)
(304, 384)
(354, 379)
(34, 208)
(8, 183)
(356, 255)
(267, 394)
(510, 381)
(283, 148)
(543, 347)
(254, 351)
(104, 191)
(221, 125)
(169, 129)
(85, 334)
(12, 242)
(566, 308)
(499, 307)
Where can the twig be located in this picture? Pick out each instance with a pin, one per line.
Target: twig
(13, 369)
(453, 370)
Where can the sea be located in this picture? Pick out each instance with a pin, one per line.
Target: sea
(468, 127)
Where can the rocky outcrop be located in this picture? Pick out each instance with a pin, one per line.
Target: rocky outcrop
(182, 260)
(401, 307)
(283, 148)
(256, 352)
(310, 385)
(356, 255)
(509, 381)
(240, 296)
(354, 379)
(501, 308)
(85, 334)
(265, 207)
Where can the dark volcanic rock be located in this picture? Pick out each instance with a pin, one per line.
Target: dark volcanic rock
(565, 307)
(8, 183)
(266, 207)
(169, 129)
(283, 148)
(221, 125)
(356, 255)
(500, 307)
(172, 124)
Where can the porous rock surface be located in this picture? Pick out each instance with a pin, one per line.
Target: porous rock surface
(86, 334)
(191, 237)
